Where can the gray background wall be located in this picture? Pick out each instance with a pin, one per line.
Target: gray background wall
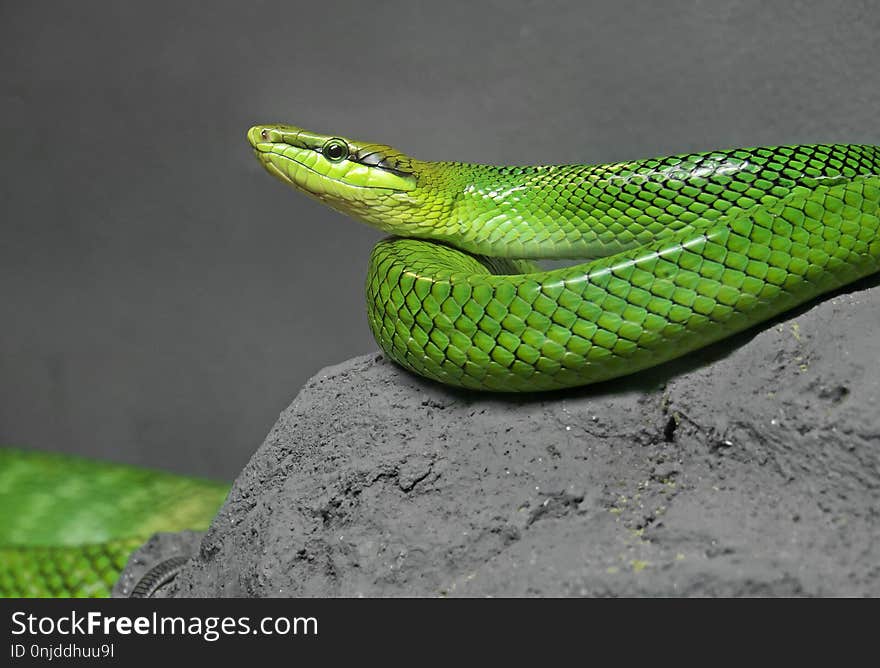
(162, 299)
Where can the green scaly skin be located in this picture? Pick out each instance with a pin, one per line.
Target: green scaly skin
(68, 525)
(683, 251)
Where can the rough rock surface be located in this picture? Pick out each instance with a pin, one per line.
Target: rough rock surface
(159, 549)
(751, 468)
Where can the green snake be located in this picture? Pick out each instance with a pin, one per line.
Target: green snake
(69, 524)
(679, 252)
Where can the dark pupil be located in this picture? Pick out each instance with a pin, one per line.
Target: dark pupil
(334, 151)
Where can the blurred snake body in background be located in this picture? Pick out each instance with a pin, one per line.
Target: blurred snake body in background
(680, 251)
(69, 524)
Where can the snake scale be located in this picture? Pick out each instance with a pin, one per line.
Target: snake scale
(679, 252)
(68, 524)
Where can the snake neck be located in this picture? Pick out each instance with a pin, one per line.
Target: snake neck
(531, 212)
(591, 211)
(543, 211)
(493, 211)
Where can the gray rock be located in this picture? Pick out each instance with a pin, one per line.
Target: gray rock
(750, 468)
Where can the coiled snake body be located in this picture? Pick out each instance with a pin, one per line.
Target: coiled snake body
(681, 251)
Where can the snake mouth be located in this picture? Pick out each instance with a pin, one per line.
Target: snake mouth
(297, 173)
(291, 165)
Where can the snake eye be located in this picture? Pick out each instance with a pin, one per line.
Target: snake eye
(264, 133)
(335, 150)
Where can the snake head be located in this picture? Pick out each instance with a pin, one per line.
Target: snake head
(371, 182)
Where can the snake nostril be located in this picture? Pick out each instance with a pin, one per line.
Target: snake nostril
(264, 133)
